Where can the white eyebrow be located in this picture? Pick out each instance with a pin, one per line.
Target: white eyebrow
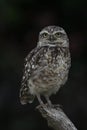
(44, 31)
(60, 32)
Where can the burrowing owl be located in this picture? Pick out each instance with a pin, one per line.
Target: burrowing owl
(46, 66)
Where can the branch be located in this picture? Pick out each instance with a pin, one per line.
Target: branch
(56, 118)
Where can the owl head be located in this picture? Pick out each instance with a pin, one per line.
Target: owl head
(53, 36)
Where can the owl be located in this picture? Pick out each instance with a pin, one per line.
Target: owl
(46, 67)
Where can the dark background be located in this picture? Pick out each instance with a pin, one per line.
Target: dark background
(20, 23)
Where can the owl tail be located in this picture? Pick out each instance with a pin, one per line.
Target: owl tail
(24, 100)
(25, 97)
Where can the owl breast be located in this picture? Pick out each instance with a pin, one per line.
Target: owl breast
(50, 71)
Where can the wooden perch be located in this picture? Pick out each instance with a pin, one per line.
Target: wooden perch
(56, 118)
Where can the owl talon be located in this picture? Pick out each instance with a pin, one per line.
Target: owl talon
(56, 106)
(41, 106)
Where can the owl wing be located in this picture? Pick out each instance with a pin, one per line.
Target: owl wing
(25, 95)
(33, 62)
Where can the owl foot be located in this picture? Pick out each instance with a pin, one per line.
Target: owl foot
(56, 106)
(40, 101)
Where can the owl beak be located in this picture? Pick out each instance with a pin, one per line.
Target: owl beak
(51, 38)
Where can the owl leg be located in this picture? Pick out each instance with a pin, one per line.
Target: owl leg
(39, 99)
(48, 101)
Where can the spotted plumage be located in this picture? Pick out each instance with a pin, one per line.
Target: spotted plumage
(46, 66)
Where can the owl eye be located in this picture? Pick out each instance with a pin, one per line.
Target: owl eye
(57, 34)
(44, 34)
